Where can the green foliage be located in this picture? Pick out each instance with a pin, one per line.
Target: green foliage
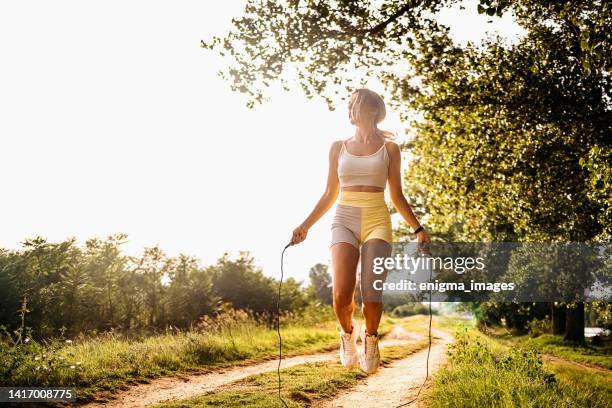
(596, 355)
(478, 352)
(323, 43)
(51, 279)
(412, 309)
(61, 288)
(321, 284)
(600, 314)
(190, 293)
(36, 364)
(484, 374)
(319, 43)
(538, 327)
(557, 270)
(499, 128)
(514, 316)
(242, 284)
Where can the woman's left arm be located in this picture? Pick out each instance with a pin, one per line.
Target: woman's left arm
(397, 195)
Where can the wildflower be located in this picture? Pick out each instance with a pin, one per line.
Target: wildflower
(69, 341)
(78, 363)
(27, 340)
(72, 367)
(36, 358)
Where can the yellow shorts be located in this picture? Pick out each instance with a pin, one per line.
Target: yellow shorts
(361, 216)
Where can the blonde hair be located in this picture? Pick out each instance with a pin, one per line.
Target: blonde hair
(369, 104)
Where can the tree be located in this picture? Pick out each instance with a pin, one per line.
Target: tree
(323, 41)
(321, 283)
(505, 135)
(558, 313)
(9, 296)
(105, 264)
(501, 126)
(242, 284)
(152, 266)
(190, 292)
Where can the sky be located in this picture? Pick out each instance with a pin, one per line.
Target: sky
(114, 120)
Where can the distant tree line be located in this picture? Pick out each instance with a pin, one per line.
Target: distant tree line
(63, 288)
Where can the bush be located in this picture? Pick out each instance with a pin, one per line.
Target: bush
(538, 327)
(37, 364)
(412, 309)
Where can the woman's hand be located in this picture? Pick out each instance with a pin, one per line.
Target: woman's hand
(299, 235)
(423, 242)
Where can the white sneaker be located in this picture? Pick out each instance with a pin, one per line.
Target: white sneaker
(369, 358)
(349, 356)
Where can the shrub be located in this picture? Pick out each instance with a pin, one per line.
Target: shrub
(538, 327)
(412, 309)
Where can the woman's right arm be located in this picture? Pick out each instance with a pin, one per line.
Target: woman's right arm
(327, 199)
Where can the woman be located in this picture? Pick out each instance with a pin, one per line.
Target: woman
(360, 168)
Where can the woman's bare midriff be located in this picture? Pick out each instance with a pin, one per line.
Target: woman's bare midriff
(369, 189)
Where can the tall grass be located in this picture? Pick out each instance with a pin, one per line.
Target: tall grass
(591, 354)
(482, 373)
(111, 360)
(547, 343)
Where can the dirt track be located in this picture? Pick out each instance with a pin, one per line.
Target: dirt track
(396, 384)
(186, 386)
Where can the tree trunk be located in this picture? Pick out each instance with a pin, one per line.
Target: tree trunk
(574, 323)
(558, 313)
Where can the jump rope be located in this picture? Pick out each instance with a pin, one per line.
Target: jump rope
(280, 340)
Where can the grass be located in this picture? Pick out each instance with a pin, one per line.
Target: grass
(454, 324)
(484, 372)
(600, 356)
(110, 362)
(570, 377)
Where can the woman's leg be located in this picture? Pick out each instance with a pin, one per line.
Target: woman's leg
(372, 304)
(344, 268)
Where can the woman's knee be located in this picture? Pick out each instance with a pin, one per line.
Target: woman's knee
(371, 305)
(343, 299)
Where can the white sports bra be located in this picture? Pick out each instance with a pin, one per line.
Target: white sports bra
(370, 170)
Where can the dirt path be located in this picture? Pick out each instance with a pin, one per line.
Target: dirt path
(558, 360)
(397, 383)
(186, 386)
